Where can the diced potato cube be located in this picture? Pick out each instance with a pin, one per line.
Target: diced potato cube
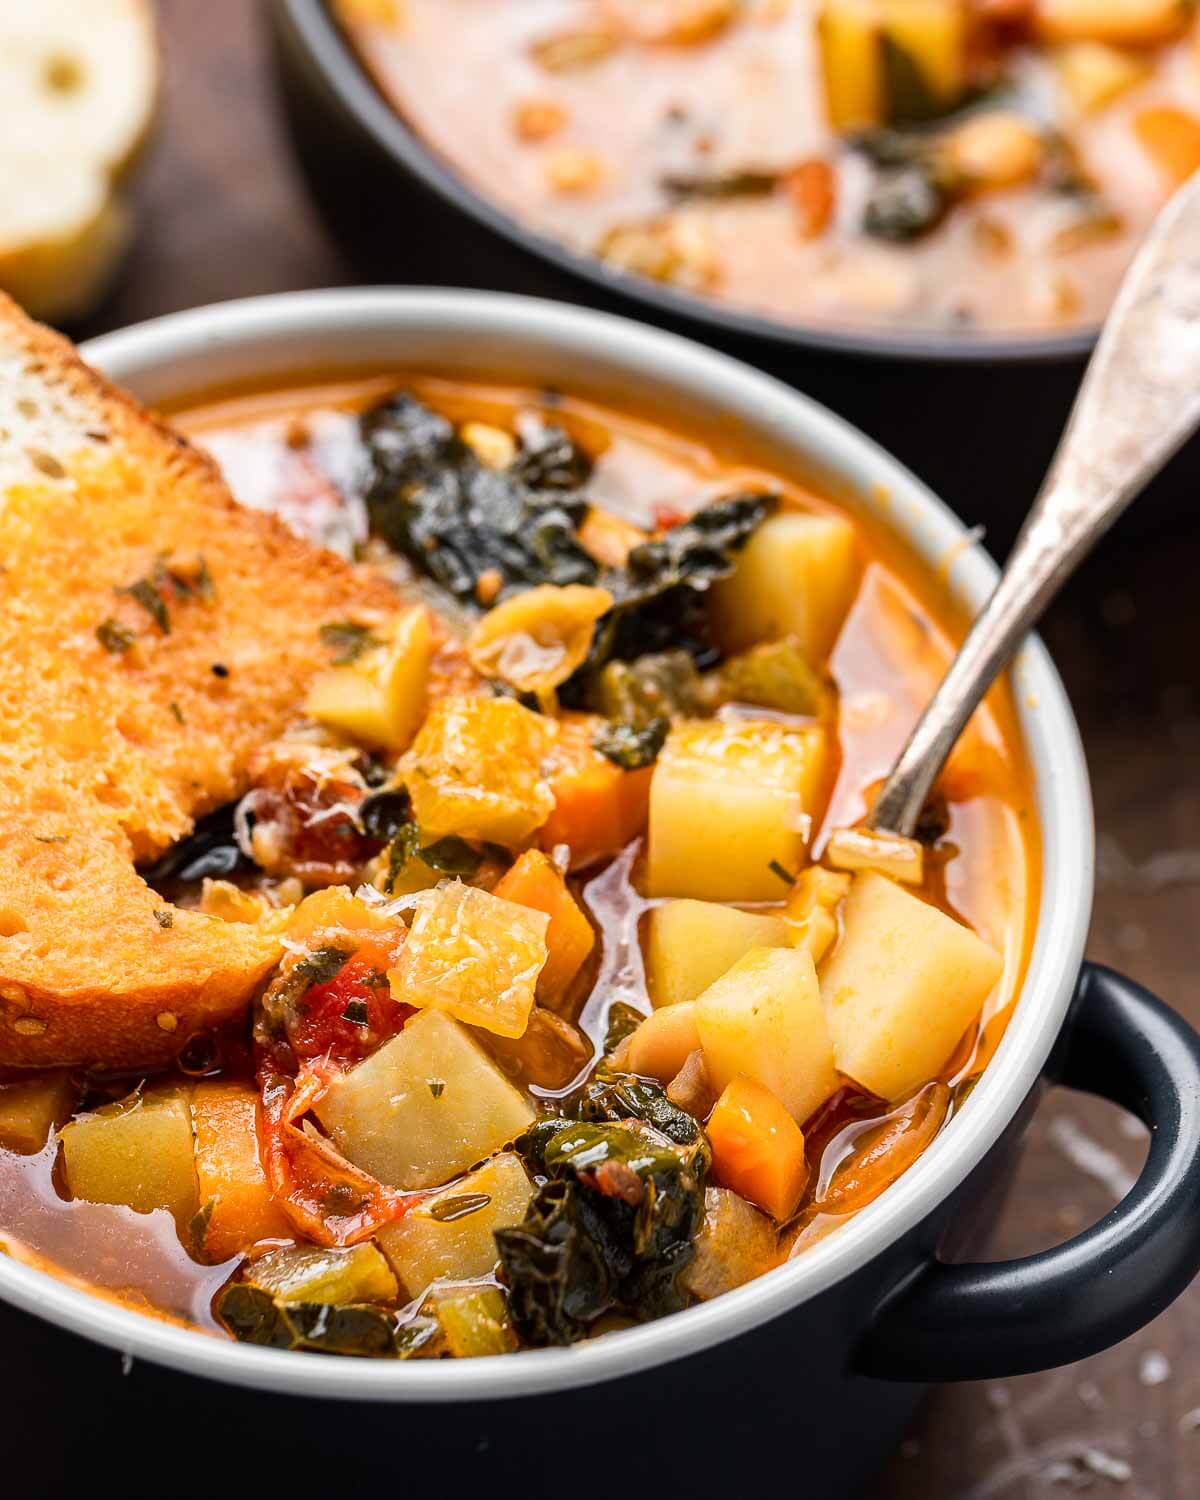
(764, 1019)
(691, 943)
(736, 1243)
(451, 1234)
(380, 698)
(662, 1044)
(477, 769)
(1129, 23)
(536, 881)
(796, 576)
(598, 807)
(848, 35)
(888, 853)
(1094, 74)
(335, 1277)
(474, 1321)
(757, 1147)
(811, 912)
(426, 1106)
(236, 1207)
(138, 1152)
(902, 987)
(33, 1107)
(933, 36)
(473, 955)
(759, 786)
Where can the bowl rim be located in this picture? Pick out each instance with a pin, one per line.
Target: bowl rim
(347, 77)
(180, 355)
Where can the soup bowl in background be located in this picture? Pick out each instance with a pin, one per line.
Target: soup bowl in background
(821, 1362)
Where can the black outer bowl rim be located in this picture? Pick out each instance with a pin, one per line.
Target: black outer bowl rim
(314, 29)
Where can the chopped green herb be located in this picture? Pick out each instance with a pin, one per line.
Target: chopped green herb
(631, 748)
(164, 918)
(401, 849)
(198, 1227)
(147, 593)
(356, 1013)
(452, 856)
(348, 640)
(437, 1086)
(785, 875)
(51, 838)
(448, 1210)
(176, 712)
(114, 636)
(319, 967)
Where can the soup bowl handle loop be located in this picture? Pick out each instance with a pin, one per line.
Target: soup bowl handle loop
(989, 1321)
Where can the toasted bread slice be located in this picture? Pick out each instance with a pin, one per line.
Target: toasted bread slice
(153, 634)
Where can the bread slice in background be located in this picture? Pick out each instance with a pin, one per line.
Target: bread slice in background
(79, 83)
(107, 756)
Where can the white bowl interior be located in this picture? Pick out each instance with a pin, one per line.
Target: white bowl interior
(486, 336)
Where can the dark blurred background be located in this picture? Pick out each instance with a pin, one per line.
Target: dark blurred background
(224, 213)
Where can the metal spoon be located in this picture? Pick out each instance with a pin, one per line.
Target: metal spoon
(1139, 402)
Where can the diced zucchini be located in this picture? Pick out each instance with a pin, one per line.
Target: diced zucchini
(474, 1321)
(796, 576)
(236, 1206)
(473, 955)
(902, 987)
(848, 36)
(334, 1277)
(776, 675)
(732, 807)
(736, 1243)
(691, 943)
(811, 912)
(32, 1108)
(450, 1236)
(764, 1020)
(138, 1152)
(476, 770)
(380, 698)
(425, 1107)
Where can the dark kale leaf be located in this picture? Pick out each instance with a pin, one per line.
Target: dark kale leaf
(905, 204)
(403, 846)
(631, 749)
(255, 1317)
(662, 685)
(431, 499)
(614, 1097)
(549, 459)
(611, 1229)
(622, 1021)
(452, 856)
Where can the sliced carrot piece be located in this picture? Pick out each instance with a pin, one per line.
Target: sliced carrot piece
(535, 881)
(758, 1149)
(230, 1173)
(1171, 137)
(598, 808)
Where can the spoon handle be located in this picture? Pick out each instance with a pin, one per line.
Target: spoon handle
(1140, 400)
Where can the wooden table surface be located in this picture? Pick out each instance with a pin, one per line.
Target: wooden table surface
(224, 215)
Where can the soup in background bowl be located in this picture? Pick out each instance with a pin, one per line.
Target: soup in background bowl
(945, 168)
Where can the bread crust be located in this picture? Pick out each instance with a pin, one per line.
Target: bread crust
(107, 756)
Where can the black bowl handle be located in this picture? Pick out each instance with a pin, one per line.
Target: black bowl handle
(984, 1322)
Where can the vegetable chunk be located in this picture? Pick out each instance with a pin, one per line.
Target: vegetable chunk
(137, 1152)
(903, 985)
(736, 1243)
(691, 943)
(336, 1278)
(379, 698)
(662, 1044)
(425, 1107)
(764, 1020)
(31, 1108)
(535, 881)
(476, 770)
(451, 1234)
(732, 805)
(758, 1149)
(598, 807)
(796, 576)
(236, 1207)
(473, 955)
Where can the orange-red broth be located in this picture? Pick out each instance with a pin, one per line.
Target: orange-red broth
(289, 450)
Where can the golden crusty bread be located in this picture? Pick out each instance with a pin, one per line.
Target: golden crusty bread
(107, 756)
